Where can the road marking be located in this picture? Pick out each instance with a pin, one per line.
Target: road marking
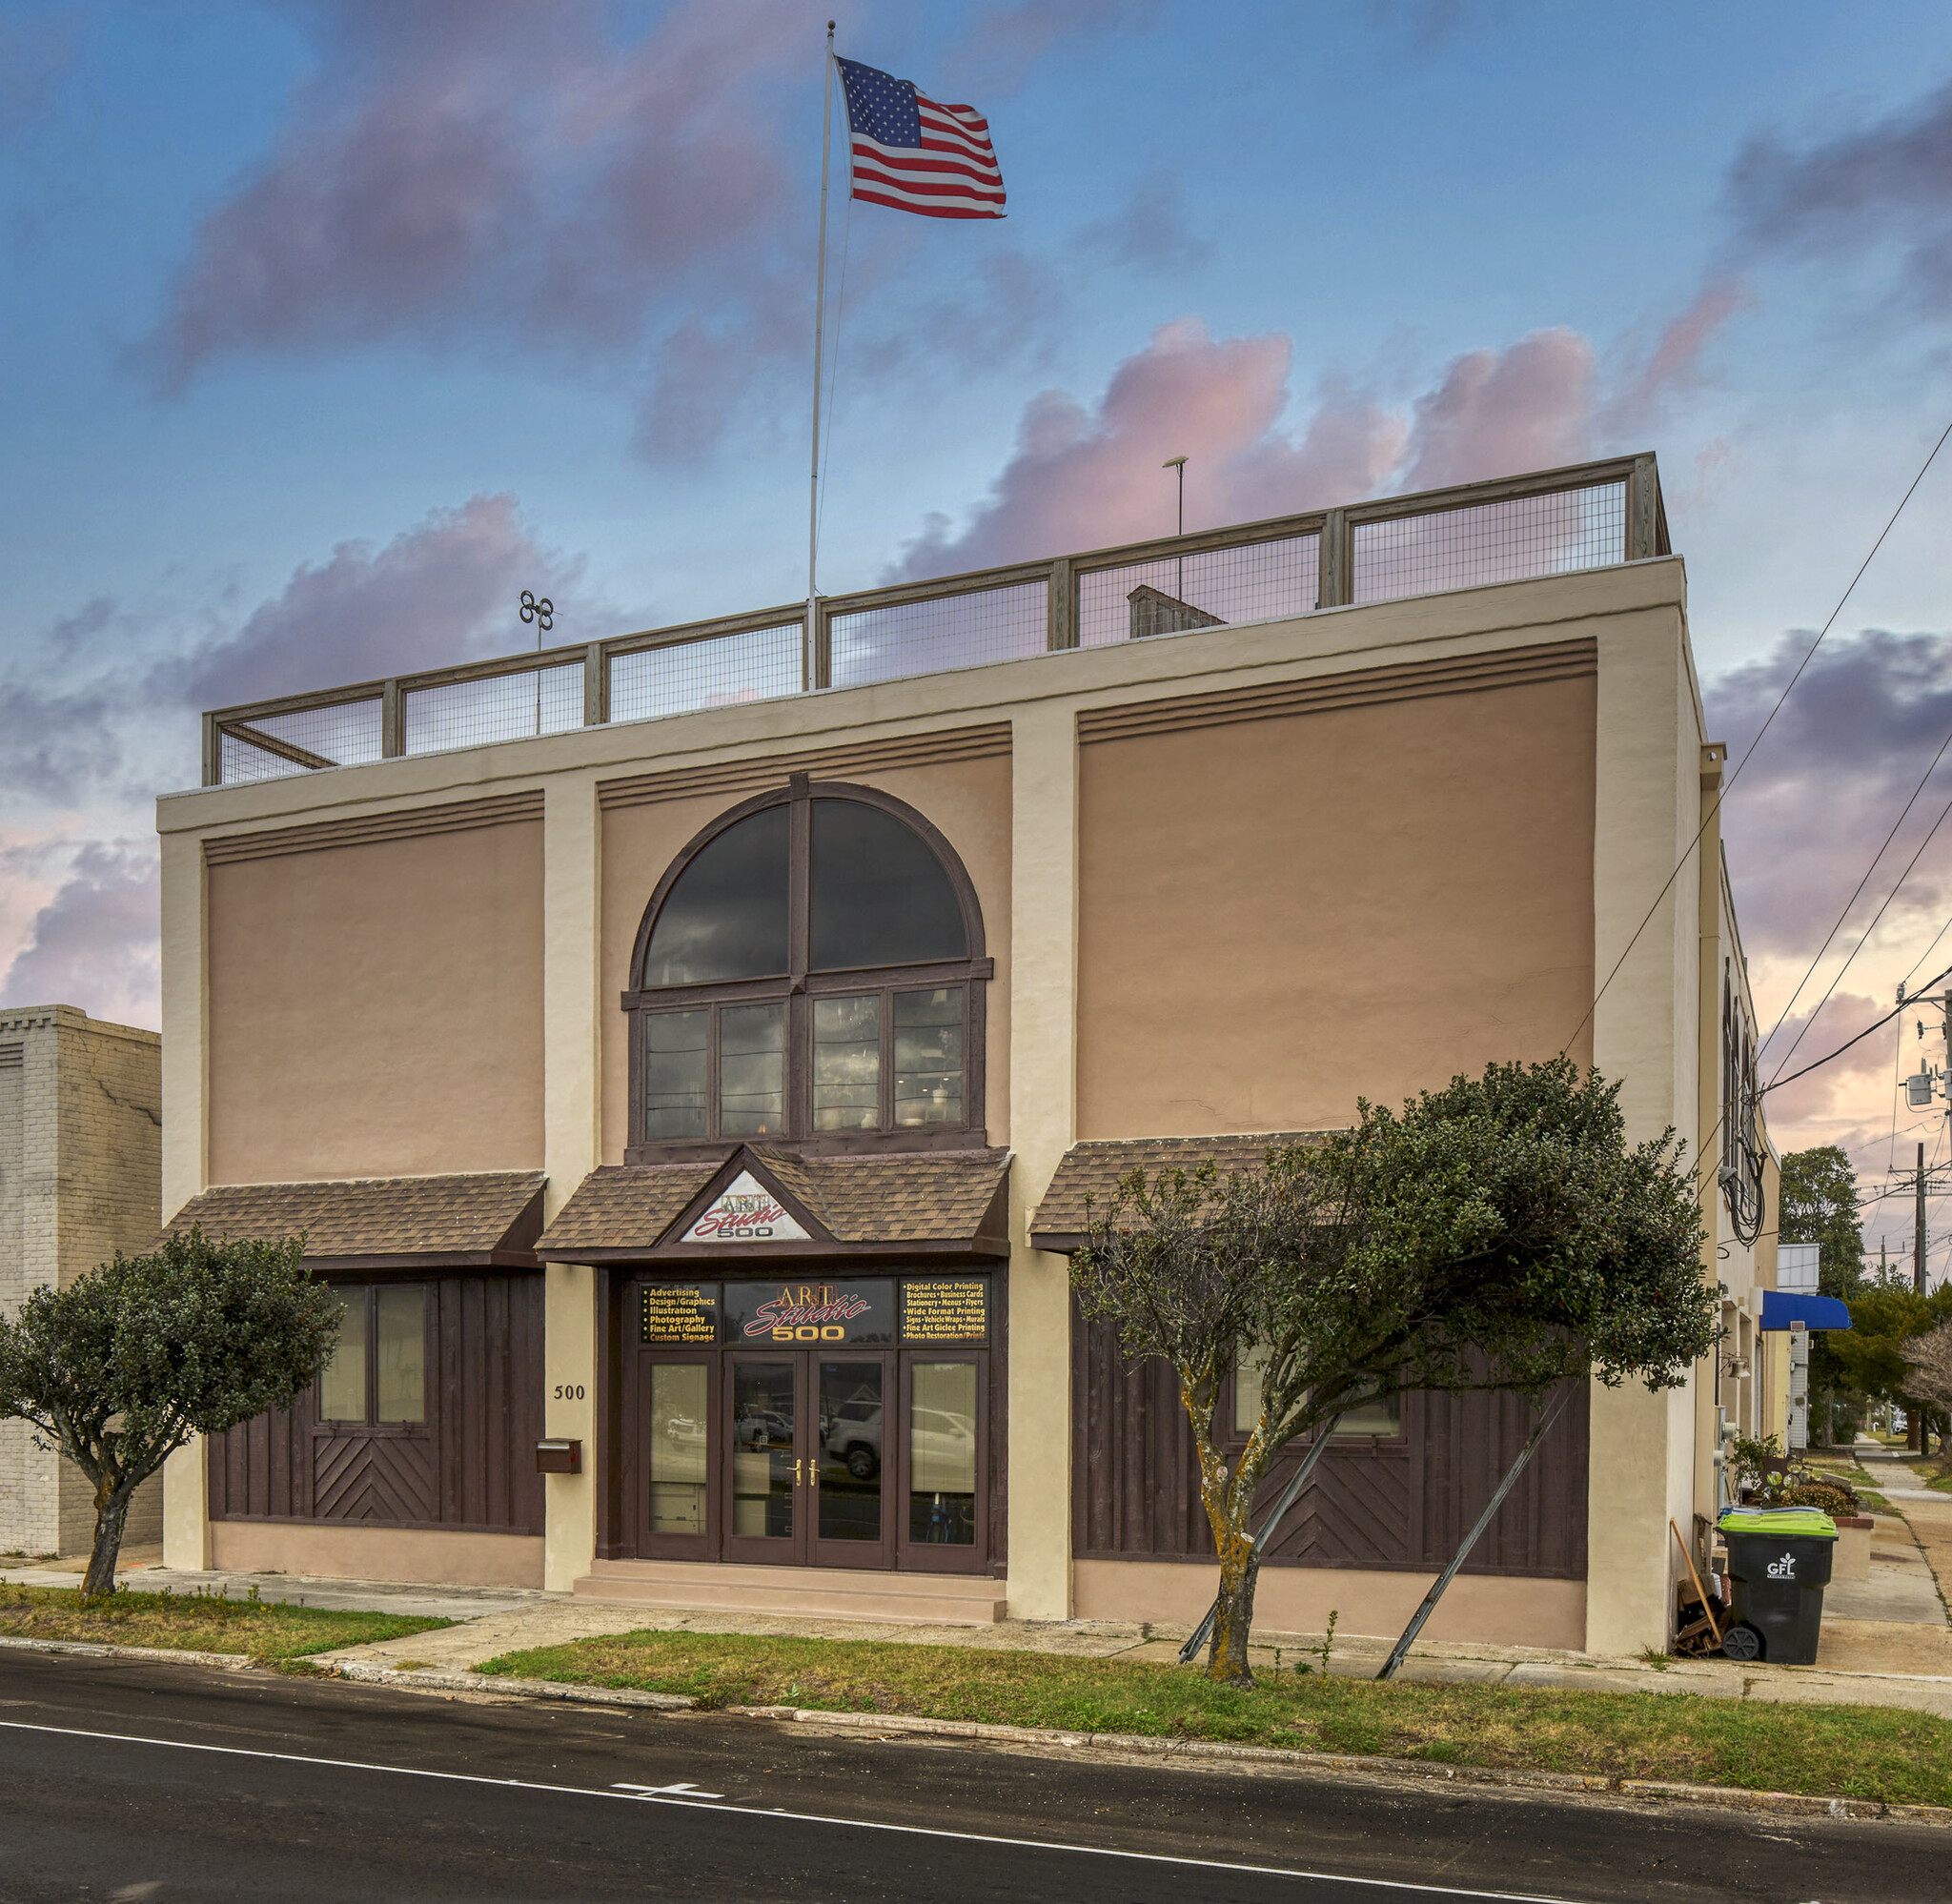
(696, 1804)
(687, 1790)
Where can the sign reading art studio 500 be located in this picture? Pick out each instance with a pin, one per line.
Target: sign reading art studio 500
(746, 1212)
(810, 1312)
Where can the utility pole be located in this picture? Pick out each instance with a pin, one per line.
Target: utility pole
(1918, 1246)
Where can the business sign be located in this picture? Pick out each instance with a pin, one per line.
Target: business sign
(681, 1314)
(745, 1213)
(945, 1310)
(809, 1314)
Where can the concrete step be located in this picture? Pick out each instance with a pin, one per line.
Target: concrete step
(799, 1593)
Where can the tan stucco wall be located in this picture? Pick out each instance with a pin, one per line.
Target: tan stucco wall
(1490, 1609)
(375, 1010)
(968, 801)
(1279, 916)
(334, 1552)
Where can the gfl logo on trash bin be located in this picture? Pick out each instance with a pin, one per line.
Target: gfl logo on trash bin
(1783, 1569)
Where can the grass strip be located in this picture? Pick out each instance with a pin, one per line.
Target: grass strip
(1857, 1752)
(196, 1622)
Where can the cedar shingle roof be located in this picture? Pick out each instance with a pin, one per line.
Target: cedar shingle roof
(908, 1196)
(1094, 1170)
(481, 1216)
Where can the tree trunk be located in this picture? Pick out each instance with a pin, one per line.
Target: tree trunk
(1234, 1619)
(111, 1513)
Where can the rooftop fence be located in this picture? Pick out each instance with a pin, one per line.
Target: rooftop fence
(1557, 522)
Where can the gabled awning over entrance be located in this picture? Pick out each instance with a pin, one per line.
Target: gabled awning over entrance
(1090, 1171)
(486, 1219)
(763, 1202)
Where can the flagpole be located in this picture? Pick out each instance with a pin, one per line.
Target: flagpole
(809, 637)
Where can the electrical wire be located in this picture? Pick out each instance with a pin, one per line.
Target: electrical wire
(1838, 926)
(1748, 752)
(1865, 938)
(1775, 1084)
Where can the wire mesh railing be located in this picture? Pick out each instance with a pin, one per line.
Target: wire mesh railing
(938, 632)
(1511, 540)
(711, 671)
(1557, 522)
(1247, 581)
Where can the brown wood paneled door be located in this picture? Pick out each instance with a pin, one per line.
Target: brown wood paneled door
(855, 1460)
(765, 1450)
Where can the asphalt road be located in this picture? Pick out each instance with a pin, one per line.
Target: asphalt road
(122, 1780)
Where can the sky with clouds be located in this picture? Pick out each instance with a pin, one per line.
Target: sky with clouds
(333, 324)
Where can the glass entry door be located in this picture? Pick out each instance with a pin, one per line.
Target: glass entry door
(806, 1476)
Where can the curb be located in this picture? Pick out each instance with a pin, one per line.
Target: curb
(1728, 1797)
(228, 1662)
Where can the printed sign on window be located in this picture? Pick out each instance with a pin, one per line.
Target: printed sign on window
(946, 1310)
(681, 1314)
(809, 1313)
(746, 1212)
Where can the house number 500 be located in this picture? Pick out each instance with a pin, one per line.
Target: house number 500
(566, 1392)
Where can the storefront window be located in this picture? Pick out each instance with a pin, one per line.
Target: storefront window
(1365, 1416)
(678, 1448)
(942, 1453)
(401, 1361)
(390, 1386)
(342, 1381)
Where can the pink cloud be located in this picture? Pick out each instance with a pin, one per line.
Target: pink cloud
(96, 943)
(493, 165)
(1082, 477)
(443, 591)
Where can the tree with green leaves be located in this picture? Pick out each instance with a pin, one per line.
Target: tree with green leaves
(1819, 1204)
(120, 1369)
(1500, 1233)
(1886, 1321)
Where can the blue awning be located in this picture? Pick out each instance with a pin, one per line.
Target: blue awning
(1780, 1307)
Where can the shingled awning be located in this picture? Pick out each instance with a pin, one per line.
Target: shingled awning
(482, 1220)
(937, 1202)
(1091, 1170)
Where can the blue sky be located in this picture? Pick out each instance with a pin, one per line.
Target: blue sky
(334, 323)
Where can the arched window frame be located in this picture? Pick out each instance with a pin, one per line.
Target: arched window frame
(798, 987)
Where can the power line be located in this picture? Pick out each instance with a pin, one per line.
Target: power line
(1775, 1083)
(1837, 926)
(1748, 752)
(1865, 938)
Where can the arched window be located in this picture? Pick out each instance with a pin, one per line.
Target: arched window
(810, 970)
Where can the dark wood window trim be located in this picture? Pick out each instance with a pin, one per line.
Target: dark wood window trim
(799, 986)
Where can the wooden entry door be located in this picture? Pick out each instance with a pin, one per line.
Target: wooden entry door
(806, 1476)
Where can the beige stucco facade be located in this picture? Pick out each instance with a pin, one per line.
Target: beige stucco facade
(1231, 917)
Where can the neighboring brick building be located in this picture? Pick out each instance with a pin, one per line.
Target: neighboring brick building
(81, 1174)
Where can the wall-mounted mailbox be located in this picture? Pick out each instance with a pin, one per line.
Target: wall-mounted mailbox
(558, 1457)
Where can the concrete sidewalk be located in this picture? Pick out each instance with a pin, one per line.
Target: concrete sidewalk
(1886, 1642)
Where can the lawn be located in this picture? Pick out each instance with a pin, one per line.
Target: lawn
(197, 1622)
(1837, 1751)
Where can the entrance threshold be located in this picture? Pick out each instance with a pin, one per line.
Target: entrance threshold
(799, 1593)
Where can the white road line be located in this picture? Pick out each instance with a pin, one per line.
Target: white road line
(656, 1795)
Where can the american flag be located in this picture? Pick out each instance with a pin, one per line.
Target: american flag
(915, 155)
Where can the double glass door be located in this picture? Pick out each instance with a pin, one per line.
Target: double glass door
(809, 1479)
(825, 1457)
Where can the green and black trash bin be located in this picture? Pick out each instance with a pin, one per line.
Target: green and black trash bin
(1779, 1564)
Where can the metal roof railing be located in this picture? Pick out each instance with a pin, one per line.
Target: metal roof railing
(1553, 522)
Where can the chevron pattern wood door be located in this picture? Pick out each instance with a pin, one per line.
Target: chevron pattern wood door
(384, 1478)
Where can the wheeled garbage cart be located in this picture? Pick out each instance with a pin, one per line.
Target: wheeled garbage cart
(1779, 1564)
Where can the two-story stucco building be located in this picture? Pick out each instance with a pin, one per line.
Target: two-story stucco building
(691, 1053)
